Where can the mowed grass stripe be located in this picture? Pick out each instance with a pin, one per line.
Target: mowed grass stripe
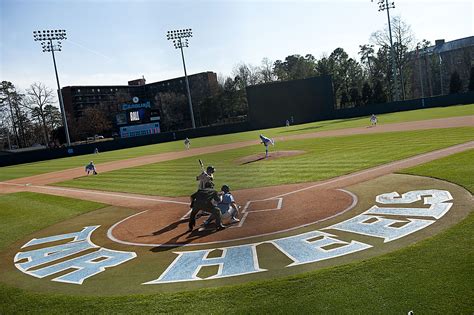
(30, 169)
(24, 213)
(431, 277)
(324, 158)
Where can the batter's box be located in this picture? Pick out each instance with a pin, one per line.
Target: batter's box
(263, 205)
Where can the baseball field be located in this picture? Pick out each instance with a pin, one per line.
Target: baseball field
(341, 218)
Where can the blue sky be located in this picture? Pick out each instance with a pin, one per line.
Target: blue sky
(111, 42)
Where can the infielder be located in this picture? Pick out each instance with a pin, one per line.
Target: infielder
(90, 168)
(266, 141)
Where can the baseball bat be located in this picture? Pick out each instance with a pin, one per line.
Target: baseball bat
(201, 164)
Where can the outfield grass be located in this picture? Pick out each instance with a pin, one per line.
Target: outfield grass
(325, 158)
(431, 277)
(24, 213)
(30, 169)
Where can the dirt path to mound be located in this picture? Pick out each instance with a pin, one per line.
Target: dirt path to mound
(64, 175)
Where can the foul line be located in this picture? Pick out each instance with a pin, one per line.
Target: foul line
(345, 177)
(93, 192)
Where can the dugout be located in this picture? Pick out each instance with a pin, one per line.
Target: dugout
(306, 100)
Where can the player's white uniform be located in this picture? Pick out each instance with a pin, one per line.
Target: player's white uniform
(228, 212)
(373, 120)
(204, 178)
(187, 143)
(266, 141)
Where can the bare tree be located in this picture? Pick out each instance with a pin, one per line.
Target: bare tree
(93, 121)
(38, 97)
(266, 71)
(246, 75)
(174, 111)
(403, 42)
(10, 100)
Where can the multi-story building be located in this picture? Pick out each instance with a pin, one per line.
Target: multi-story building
(139, 108)
(433, 66)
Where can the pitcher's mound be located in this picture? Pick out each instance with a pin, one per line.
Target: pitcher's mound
(271, 156)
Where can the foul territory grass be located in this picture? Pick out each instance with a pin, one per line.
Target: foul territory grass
(30, 169)
(431, 277)
(24, 213)
(324, 158)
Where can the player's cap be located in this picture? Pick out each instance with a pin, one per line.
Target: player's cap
(211, 169)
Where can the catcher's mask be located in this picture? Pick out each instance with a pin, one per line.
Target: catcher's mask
(225, 188)
(210, 169)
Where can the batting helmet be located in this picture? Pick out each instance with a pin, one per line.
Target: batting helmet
(225, 188)
(210, 169)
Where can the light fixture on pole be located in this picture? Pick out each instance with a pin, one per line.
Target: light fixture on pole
(46, 38)
(385, 5)
(180, 40)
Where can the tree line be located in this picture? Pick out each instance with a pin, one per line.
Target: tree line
(369, 80)
(29, 117)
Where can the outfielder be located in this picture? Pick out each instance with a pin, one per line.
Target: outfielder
(187, 143)
(373, 120)
(266, 141)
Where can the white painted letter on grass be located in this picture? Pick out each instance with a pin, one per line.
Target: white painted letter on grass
(235, 261)
(302, 250)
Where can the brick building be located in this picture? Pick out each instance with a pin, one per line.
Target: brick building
(434, 65)
(143, 108)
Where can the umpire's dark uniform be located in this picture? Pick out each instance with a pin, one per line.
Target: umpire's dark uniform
(202, 200)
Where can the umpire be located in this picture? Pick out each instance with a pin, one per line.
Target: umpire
(202, 200)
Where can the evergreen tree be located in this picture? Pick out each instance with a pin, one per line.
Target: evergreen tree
(367, 93)
(379, 93)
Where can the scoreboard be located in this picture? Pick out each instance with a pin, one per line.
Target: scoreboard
(141, 116)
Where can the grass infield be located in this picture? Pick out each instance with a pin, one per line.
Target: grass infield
(324, 158)
(36, 168)
(433, 276)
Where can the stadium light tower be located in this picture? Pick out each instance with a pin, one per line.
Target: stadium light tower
(180, 40)
(46, 38)
(385, 5)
